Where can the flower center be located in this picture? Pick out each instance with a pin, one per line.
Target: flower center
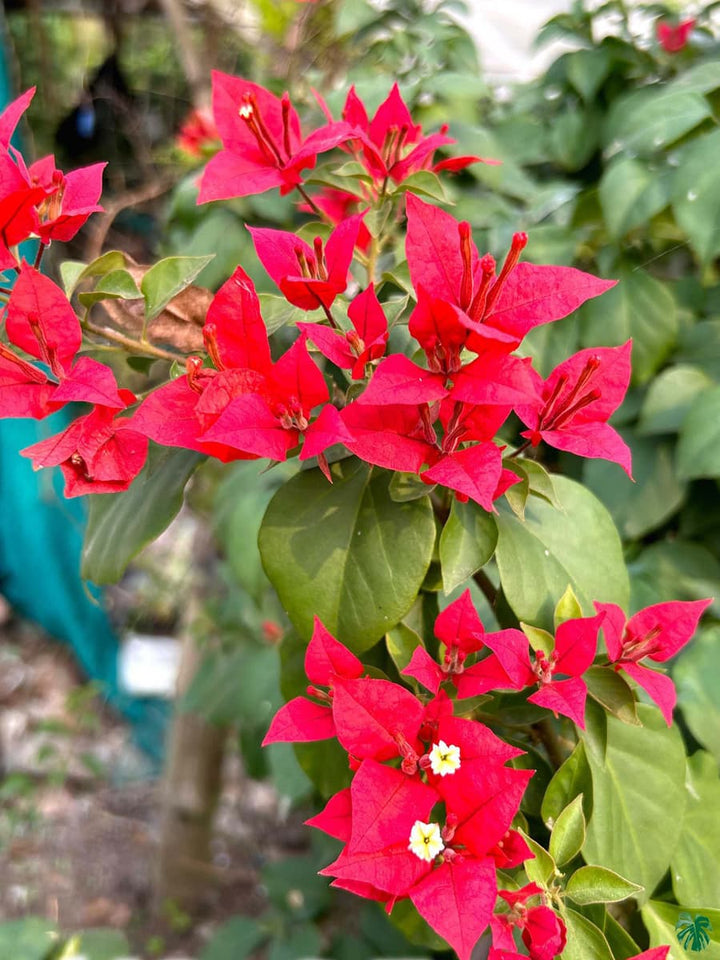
(425, 841)
(444, 758)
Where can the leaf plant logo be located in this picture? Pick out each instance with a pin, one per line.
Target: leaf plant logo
(692, 932)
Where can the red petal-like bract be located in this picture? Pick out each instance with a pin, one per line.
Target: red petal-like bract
(239, 328)
(10, 116)
(564, 696)
(459, 625)
(397, 380)
(659, 687)
(90, 381)
(300, 721)
(457, 900)
(41, 321)
(371, 715)
(474, 471)
(326, 658)
(576, 643)
(424, 669)
(335, 818)
(385, 804)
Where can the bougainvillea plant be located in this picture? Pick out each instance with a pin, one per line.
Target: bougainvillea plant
(472, 768)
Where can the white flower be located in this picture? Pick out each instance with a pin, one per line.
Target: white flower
(444, 759)
(425, 840)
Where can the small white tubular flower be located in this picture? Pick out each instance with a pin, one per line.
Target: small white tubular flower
(425, 840)
(444, 759)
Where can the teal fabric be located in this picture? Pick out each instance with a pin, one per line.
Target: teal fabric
(41, 536)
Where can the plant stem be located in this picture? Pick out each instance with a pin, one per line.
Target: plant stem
(311, 203)
(128, 343)
(487, 587)
(551, 741)
(520, 449)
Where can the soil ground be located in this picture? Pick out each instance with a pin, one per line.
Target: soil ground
(79, 817)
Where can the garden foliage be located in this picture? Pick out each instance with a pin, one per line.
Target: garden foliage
(466, 678)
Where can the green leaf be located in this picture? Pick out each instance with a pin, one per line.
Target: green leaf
(401, 641)
(236, 688)
(326, 765)
(346, 552)
(277, 312)
(28, 939)
(467, 542)
(301, 941)
(116, 285)
(695, 674)
(638, 307)
(571, 780)
(103, 944)
(599, 885)
(567, 608)
(641, 507)
(407, 486)
(621, 943)
(167, 278)
(661, 920)
(574, 137)
(541, 869)
(587, 69)
(701, 78)
(674, 570)
(613, 693)
(568, 832)
(645, 121)
(585, 941)
(539, 640)
(698, 450)
(638, 799)
(631, 194)
(294, 886)
(696, 194)
(234, 940)
(70, 271)
(537, 559)
(108, 262)
(426, 184)
(121, 524)
(241, 497)
(694, 868)
(669, 397)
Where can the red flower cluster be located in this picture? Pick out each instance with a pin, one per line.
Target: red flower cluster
(673, 37)
(428, 814)
(39, 200)
(438, 420)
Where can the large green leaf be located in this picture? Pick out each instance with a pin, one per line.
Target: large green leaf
(698, 451)
(661, 919)
(674, 570)
(577, 545)
(346, 551)
(234, 940)
(121, 524)
(569, 781)
(28, 939)
(630, 194)
(103, 944)
(585, 941)
(694, 870)
(467, 542)
(696, 194)
(696, 678)
(637, 508)
(592, 884)
(647, 120)
(670, 396)
(587, 69)
(638, 307)
(638, 799)
(167, 278)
